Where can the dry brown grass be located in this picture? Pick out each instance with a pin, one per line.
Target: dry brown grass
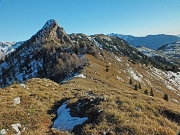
(123, 110)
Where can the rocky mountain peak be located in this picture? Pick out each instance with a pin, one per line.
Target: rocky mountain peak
(51, 30)
(50, 23)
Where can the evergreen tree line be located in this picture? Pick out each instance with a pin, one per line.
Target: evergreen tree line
(151, 93)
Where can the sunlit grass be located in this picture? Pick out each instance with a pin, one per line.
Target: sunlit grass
(122, 110)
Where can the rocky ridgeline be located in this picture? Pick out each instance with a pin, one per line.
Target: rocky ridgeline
(52, 53)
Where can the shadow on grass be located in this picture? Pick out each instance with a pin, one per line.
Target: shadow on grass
(171, 116)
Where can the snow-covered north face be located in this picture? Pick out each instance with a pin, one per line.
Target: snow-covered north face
(8, 47)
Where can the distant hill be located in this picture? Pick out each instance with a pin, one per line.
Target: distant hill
(150, 41)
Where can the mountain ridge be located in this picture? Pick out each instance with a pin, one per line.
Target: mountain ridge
(115, 87)
(53, 54)
(150, 41)
(8, 47)
(170, 52)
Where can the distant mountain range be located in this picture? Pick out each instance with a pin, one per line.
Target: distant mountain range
(169, 52)
(8, 47)
(150, 41)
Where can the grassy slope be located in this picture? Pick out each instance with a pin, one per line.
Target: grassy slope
(119, 109)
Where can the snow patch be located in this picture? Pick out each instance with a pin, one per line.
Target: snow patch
(116, 48)
(97, 43)
(133, 74)
(119, 78)
(80, 75)
(70, 76)
(173, 99)
(170, 87)
(118, 59)
(65, 121)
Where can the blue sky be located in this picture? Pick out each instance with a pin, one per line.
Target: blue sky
(20, 19)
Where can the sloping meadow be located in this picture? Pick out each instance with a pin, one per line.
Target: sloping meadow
(108, 104)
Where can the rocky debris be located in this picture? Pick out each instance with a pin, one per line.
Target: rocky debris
(17, 100)
(3, 132)
(138, 109)
(23, 85)
(16, 128)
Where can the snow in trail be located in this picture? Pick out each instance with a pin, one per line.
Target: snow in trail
(65, 121)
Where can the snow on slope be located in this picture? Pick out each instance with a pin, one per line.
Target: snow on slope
(147, 51)
(170, 79)
(8, 47)
(157, 53)
(171, 50)
(94, 41)
(49, 23)
(65, 121)
(24, 73)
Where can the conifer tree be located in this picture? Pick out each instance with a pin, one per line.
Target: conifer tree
(152, 93)
(146, 92)
(166, 97)
(107, 68)
(136, 87)
(130, 81)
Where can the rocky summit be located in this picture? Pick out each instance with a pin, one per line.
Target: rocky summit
(73, 84)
